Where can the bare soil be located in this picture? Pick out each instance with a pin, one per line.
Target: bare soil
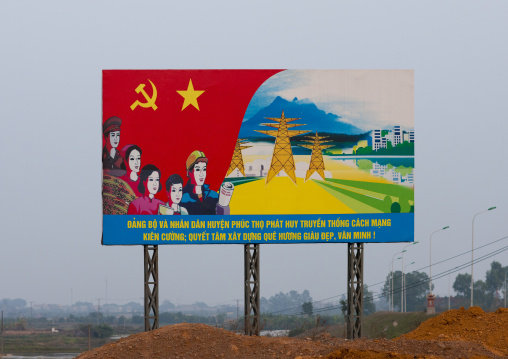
(453, 334)
(472, 325)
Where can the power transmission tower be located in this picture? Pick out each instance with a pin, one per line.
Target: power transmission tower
(316, 159)
(237, 160)
(282, 158)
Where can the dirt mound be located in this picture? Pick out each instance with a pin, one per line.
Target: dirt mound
(409, 349)
(453, 334)
(473, 325)
(203, 341)
(372, 354)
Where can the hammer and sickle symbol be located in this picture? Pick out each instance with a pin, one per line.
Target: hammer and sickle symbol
(150, 101)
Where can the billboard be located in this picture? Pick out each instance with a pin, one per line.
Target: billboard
(257, 156)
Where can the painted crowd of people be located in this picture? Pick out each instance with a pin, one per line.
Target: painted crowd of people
(195, 197)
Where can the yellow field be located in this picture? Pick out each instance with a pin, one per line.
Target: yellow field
(338, 169)
(282, 196)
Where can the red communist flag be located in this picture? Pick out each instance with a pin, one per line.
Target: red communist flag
(171, 113)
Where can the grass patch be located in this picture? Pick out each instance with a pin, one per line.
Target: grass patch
(378, 325)
(45, 343)
(390, 325)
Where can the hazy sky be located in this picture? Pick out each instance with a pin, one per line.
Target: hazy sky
(52, 54)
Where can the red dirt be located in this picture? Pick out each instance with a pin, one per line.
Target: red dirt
(472, 325)
(454, 334)
(203, 341)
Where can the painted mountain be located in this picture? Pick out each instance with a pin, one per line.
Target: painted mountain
(314, 118)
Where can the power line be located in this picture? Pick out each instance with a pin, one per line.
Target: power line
(399, 276)
(444, 273)
(439, 275)
(444, 260)
(458, 268)
(373, 297)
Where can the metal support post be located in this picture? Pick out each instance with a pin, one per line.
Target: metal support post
(252, 294)
(151, 288)
(355, 290)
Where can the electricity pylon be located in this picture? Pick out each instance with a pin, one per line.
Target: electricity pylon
(316, 159)
(237, 160)
(282, 158)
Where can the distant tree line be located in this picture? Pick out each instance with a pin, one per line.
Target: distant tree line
(488, 294)
(285, 303)
(416, 285)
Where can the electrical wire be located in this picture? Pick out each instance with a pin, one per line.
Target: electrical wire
(437, 276)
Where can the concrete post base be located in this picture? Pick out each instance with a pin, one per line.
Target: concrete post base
(430, 304)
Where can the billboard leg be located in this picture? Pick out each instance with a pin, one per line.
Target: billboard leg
(354, 290)
(151, 288)
(252, 309)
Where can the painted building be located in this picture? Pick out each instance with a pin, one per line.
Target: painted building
(376, 140)
(255, 169)
(397, 136)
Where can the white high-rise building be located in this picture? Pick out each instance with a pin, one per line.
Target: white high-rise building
(408, 136)
(397, 136)
(376, 140)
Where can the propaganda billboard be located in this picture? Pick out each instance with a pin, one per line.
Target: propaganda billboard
(257, 156)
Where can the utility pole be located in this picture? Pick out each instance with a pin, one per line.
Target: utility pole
(449, 291)
(98, 311)
(106, 296)
(402, 280)
(430, 257)
(402, 287)
(393, 283)
(405, 285)
(472, 250)
(390, 288)
(391, 305)
(2, 333)
(505, 289)
(237, 310)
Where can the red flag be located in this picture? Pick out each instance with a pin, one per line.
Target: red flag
(170, 113)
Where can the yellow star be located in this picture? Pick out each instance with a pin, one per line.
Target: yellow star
(190, 96)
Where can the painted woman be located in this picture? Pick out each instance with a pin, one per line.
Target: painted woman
(174, 191)
(132, 164)
(149, 185)
(111, 159)
(197, 197)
